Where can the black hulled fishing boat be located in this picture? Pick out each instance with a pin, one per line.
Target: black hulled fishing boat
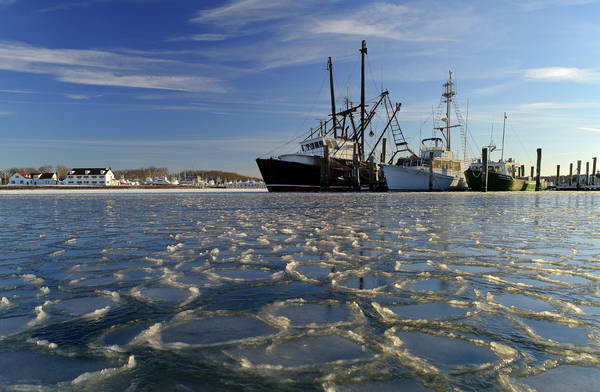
(333, 156)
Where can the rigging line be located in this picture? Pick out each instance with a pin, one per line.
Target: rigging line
(370, 73)
(302, 124)
(526, 154)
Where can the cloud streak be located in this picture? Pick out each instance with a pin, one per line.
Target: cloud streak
(104, 68)
(243, 12)
(560, 74)
(589, 129)
(294, 33)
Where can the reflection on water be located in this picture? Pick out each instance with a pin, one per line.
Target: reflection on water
(300, 292)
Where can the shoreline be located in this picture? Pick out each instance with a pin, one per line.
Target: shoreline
(62, 189)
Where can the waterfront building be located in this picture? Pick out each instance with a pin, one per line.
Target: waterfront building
(21, 179)
(90, 177)
(46, 179)
(27, 179)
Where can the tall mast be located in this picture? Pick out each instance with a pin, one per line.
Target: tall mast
(503, 129)
(363, 52)
(448, 94)
(330, 68)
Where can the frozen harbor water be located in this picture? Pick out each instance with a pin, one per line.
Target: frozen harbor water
(257, 291)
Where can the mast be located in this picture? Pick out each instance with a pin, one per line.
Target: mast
(448, 94)
(330, 68)
(465, 138)
(363, 52)
(503, 129)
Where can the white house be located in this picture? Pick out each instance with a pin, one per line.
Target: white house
(90, 177)
(21, 179)
(45, 179)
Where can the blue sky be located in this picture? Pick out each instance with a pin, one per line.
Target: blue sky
(213, 85)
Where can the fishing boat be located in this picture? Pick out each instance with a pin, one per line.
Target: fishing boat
(502, 175)
(333, 156)
(435, 169)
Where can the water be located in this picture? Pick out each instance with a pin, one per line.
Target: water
(332, 292)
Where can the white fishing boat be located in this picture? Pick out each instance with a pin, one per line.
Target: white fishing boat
(436, 168)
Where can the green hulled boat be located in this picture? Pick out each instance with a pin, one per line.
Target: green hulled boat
(501, 177)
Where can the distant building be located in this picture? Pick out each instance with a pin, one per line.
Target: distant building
(90, 177)
(21, 179)
(25, 179)
(46, 179)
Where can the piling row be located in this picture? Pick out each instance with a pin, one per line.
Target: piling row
(588, 181)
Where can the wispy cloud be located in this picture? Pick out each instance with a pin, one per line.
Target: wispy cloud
(534, 106)
(67, 5)
(243, 12)
(589, 129)
(12, 91)
(104, 68)
(558, 74)
(199, 37)
(79, 96)
(179, 83)
(494, 89)
(536, 5)
(383, 20)
(301, 32)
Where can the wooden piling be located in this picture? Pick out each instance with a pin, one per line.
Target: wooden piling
(538, 165)
(570, 174)
(355, 168)
(372, 174)
(383, 149)
(484, 172)
(531, 176)
(578, 182)
(522, 171)
(557, 183)
(587, 173)
(325, 169)
(430, 171)
(594, 171)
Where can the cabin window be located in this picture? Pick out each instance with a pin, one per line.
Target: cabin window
(320, 143)
(302, 147)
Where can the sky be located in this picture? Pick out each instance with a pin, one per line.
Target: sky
(214, 85)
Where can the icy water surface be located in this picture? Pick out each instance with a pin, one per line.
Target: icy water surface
(331, 292)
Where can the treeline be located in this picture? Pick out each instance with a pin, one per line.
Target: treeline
(132, 174)
(142, 173)
(61, 170)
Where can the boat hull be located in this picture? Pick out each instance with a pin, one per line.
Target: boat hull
(416, 179)
(498, 182)
(289, 176)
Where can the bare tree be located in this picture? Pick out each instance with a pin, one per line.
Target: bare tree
(62, 171)
(46, 169)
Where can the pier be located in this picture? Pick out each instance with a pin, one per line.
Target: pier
(590, 181)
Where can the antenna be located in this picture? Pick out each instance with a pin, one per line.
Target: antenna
(381, 75)
(503, 129)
